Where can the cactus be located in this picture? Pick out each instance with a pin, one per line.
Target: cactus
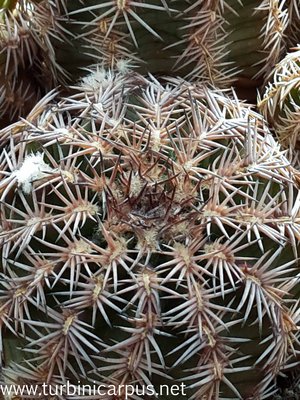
(280, 103)
(149, 222)
(149, 235)
(46, 43)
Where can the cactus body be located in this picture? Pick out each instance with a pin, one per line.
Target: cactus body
(149, 235)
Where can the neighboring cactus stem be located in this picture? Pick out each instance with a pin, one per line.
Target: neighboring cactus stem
(280, 104)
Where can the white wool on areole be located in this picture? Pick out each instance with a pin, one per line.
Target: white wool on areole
(32, 168)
